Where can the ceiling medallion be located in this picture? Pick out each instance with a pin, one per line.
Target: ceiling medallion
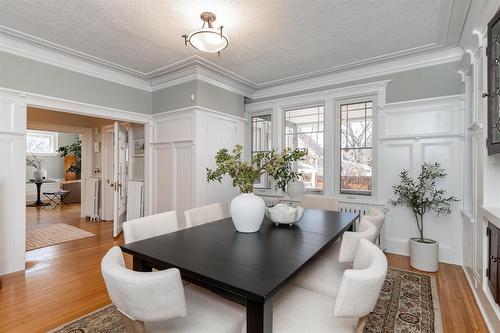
(207, 39)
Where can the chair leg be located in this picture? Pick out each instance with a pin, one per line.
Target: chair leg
(132, 326)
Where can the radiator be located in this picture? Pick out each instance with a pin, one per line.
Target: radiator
(90, 207)
(135, 200)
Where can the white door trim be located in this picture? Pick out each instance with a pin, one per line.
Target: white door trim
(68, 106)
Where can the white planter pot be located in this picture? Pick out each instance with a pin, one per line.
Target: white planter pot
(40, 174)
(296, 189)
(424, 255)
(247, 212)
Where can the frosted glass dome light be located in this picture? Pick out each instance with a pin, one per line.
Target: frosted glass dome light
(207, 39)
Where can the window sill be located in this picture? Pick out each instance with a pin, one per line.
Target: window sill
(42, 154)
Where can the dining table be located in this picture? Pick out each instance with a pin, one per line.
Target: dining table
(247, 268)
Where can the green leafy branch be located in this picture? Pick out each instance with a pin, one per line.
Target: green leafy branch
(245, 173)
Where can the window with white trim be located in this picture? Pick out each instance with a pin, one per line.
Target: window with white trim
(262, 141)
(356, 146)
(41, 142)
(304, 129)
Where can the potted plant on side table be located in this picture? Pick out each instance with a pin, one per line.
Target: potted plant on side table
(247, 209)
(421, 196)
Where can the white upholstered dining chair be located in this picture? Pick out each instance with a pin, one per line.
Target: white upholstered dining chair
(205, 214)
(325, 273)
(377, 217)
(150, 226)
(157, 301)
(300, 310)
(320, 202)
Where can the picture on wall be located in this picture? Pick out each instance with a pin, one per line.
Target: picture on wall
(138, 148)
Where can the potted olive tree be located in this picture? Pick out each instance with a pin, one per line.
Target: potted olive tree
(247, 209)
(422, 196)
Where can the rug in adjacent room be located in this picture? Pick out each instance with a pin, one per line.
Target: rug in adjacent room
(408, 303)
(37, 237)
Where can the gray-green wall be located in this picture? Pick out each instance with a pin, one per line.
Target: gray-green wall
(32, 76)
(427, 82)
(205, 95)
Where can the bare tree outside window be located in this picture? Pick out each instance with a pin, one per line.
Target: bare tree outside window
(304, 129)
(262, 141)
(356, 148)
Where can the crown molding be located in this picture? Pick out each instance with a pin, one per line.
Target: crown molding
(49, 53)
(198, 68)
(344, 74)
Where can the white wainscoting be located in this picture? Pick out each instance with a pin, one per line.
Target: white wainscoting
(184, 145)
(12, 182)
(411, 133)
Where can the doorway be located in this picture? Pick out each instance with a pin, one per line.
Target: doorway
(73, 177)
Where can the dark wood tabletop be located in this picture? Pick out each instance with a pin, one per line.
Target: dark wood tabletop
(246, 268)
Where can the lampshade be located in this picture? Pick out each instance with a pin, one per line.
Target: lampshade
(208, 40)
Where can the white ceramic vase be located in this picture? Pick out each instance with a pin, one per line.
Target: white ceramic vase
(40, 174)
(295, 189)
(247, 212)
(424, 255)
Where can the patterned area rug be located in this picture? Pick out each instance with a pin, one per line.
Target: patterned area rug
(38, 237)
(408, 304)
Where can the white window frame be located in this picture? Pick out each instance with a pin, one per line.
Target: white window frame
(338, 152)
(282, 133)
(270, 184)
(53, 140)
(375, 90)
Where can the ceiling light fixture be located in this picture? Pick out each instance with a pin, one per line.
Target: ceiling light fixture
(207, 39)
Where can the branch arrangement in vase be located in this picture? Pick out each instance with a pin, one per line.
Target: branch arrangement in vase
(246, 173)
(35, 162)
(247, 209)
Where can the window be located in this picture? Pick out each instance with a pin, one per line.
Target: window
(356, 140)
(304, 129)
(262, 142)
(41, 142)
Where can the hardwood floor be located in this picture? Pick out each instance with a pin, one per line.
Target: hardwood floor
(63, 282)
(459, 309)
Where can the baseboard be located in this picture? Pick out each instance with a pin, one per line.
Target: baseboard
(480, 303)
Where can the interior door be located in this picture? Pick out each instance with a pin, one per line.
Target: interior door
(120, 175)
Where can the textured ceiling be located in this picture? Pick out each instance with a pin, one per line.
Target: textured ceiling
(268, 40)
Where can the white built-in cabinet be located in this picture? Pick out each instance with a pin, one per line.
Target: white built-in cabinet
(411, 133)
(184, 145)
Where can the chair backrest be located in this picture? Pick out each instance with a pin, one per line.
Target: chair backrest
(350, 239)
(205, 214)
(150, 226)
(360, 287)
(377, 217)
(319, 202)
(143, 296)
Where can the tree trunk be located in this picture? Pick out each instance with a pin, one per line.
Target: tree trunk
(420, 225)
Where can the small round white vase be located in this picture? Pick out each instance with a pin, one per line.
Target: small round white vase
(247, 212)
(295, 189)
(40, 174)
(424, 255)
